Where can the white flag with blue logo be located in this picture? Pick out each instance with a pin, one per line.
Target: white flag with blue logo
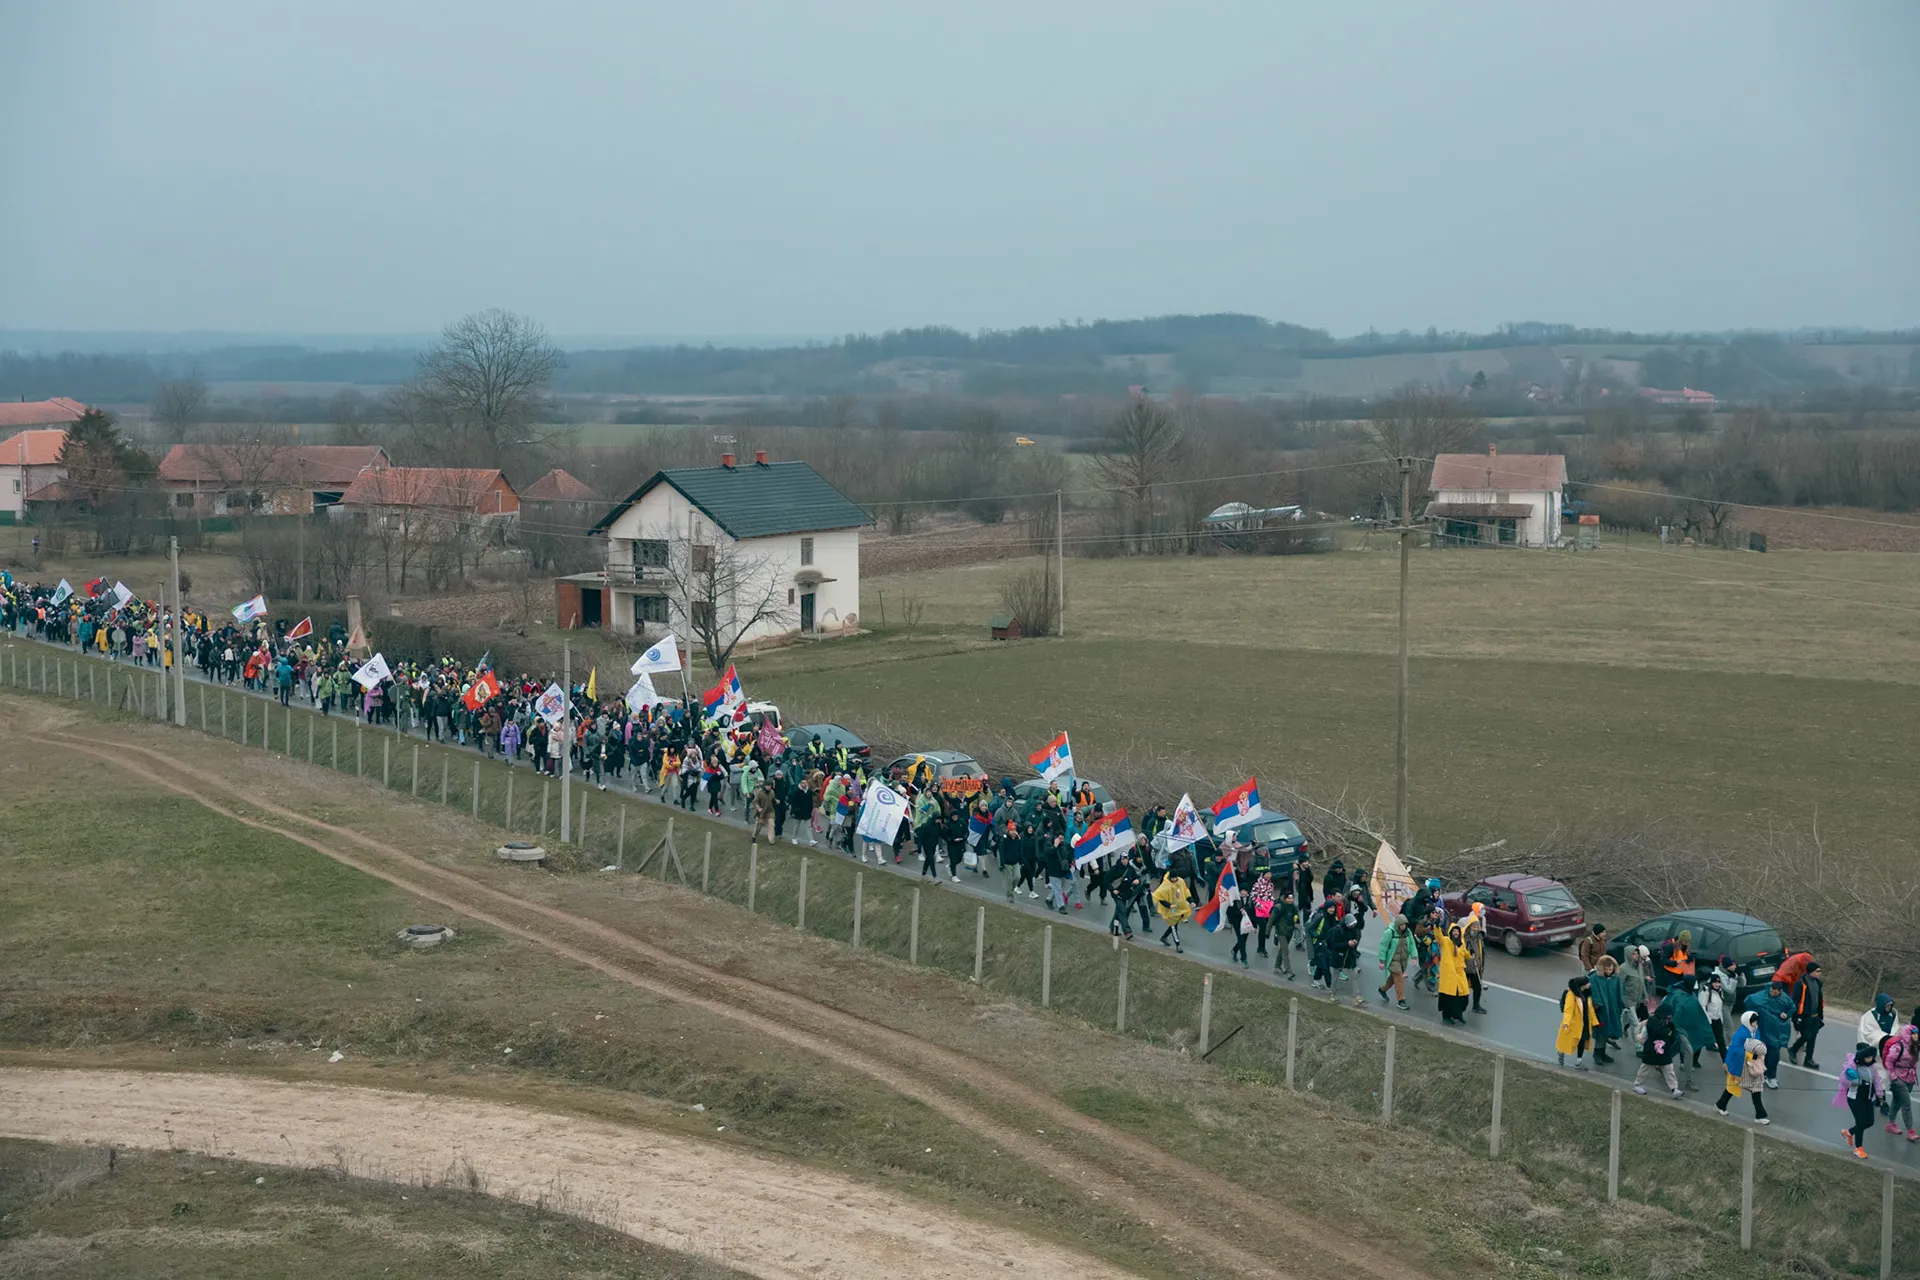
(664, 656)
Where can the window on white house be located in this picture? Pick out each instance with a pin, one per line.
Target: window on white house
(703, 615)
(650, 553)
(649, 609)
(806, 551)
(702, 558)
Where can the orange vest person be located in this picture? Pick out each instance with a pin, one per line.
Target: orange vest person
(1676, 957)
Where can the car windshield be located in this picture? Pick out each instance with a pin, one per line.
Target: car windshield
(1750, 946)
(1550, 902)
(1279, 831)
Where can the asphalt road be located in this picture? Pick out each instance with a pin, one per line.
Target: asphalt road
(1521, 999)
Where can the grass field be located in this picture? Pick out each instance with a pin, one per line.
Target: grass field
(1716, 698)
(176, 1214)
(116, 952)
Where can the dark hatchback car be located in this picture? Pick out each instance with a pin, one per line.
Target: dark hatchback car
(1751, 945)
(831, 736)
(1522, 911)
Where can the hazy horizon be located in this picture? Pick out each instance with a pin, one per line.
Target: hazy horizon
(731, 170)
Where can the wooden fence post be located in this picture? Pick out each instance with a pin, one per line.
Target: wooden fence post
(1613, 1150)
(1206, 1013)
(1386, 1082)
(858, 878)
(1293, 1032)
(1499, 1096)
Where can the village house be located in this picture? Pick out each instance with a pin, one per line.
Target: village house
(700, 548)
(1495, 499)
(30, 454)
(263, 477)
(396, 496)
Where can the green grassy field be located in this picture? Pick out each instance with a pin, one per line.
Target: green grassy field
(1713, 697)
(176, 1214)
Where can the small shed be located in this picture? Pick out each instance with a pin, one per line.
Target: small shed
(1005, 627)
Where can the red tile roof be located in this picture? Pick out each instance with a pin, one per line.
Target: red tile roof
(40, 413)
(1480, 471)
(458, 488)
(559, 486)
(318, 466)
(33, 448)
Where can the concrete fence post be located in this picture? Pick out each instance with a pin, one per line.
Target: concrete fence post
(580, 827)
(546, 798)
(979, 941)
(244, 713)
(1046, 967)
(1293, 1032)
(1746, 1192)
(620, 842)
(706, 861)
(753, 871)
(1886, 1226)
(800, 921)
(386, 763)
(1613, 1150)
(310, 733)
(913, 930)
(1499, 1096)
(203, 708)
(287, 736)
(1386, 1081)
(93, 695)
(1206, 1012)
(1120, 1003)
(446, 769)
(415, 772)
(858, 884)
(507, 816)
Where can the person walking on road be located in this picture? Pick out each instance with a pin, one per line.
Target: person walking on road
(1746, 1064)
(1396, 956)
(1285, 916)
(1877, 1023)
(1900, 1055)
(1662, 1045)
(1578, 1021)
(1453, 975)
(1592, 947)
(1691, 1027)
(1175, 906)
(1240, 921)
(1776, 1026)
(1476, 935)
(1859, 1086)
(1809, 1013)
(1610, 1003)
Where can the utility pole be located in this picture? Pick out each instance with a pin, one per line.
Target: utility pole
(566, 744)
(179, 639)
(301, 591)
(1060, 553)
(1400, 771)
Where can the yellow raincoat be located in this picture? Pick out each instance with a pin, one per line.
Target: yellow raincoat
(1570, 1029)
(1172, 900)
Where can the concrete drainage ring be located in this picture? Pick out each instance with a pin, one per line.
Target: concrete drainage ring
(421, 936)
(521, 851)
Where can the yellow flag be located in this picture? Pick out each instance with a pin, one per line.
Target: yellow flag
(591, 676)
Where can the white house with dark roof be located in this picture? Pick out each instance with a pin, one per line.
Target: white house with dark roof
(1498, 499)
(782, 530)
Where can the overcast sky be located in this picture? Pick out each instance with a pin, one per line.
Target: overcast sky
(839, 165)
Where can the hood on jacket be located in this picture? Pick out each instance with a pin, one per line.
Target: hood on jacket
(1750, 1020)
(1883, 1011)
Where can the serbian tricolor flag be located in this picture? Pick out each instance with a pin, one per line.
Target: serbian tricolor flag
(977, 824)
(1237, 808)
(1053, 759)
(483, 690)
(301, 629)
(1109, 833)
(1214, 910)
(715, 701)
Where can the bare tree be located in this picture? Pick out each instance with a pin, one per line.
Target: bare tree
(480, 388)
(251, 463)
(1418, 423)
(177, 405)
(1141, 450)
(723, 591)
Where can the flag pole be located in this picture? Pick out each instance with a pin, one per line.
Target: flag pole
(1400, 769)
(566, 745)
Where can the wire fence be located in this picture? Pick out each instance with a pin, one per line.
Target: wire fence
(1578, 1134)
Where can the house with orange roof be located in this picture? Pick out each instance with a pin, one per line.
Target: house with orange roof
(29, 464)
(266, 476)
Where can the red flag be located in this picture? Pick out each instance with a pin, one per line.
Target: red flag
(483, 690)
(302, 630)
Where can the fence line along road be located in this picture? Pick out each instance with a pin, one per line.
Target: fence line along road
(1803, 1114)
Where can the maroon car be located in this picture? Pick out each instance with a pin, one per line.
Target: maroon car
(1522, 911)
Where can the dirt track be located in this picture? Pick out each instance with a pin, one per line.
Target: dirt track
(1160, 1189)
(760, 1216)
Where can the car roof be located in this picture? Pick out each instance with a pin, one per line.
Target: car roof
(938, 756)
(820, 730)
(1731, 921)
(1521, 881)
